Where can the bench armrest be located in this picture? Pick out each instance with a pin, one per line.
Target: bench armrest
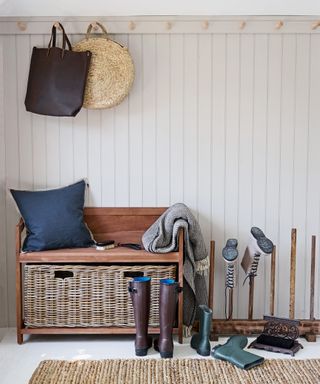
(19, 228)
(181, 240)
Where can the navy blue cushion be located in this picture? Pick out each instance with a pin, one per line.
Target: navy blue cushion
(54, 218)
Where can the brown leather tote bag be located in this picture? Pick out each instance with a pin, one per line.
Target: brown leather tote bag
(57, 78)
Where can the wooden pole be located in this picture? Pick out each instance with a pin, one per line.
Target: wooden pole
(211, 274)
(230, 300)
(293, 272)
(272, 280)
(312, 277)
(251, 291)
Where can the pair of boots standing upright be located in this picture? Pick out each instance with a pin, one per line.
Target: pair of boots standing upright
(140, 291)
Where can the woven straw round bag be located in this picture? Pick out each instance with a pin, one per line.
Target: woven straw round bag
(111, 71)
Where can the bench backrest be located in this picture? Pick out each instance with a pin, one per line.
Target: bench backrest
(125, 225)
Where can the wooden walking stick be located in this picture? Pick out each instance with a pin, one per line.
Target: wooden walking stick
(312, 335)
(251, 292)
(230, 304)
(312, 276)
(272, 280)
(211, 274)
(211, 283)
(293, 272)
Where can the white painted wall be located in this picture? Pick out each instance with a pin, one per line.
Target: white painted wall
(164, 7)
(226, 121)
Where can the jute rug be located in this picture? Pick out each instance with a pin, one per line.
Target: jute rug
(174, 371)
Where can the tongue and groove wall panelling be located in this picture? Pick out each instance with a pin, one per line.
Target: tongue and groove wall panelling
(300, 159)
(223, 119)
(176, 117)
(312, 222)
(219, 57)
(12, 164)
(163, 161)
(204, 137)
(3, 240)
(259, 157)
(135, 137)
(231, 135)
(80, 138)
(39, 134)
(190, 126)
(121, 129)
(149, 160)
(246, 92)
(273, 145)
(108, 158)
(286, 163)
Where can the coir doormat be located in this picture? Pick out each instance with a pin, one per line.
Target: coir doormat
(174, 371)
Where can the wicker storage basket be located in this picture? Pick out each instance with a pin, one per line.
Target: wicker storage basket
(86, 295)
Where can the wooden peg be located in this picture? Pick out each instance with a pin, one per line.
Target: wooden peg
(205, 24)
(94, 26)
(131, 25)
(279, 25)
(22, 26)
(242, 25)
(168, 25)
(57, 25)
(316, 25)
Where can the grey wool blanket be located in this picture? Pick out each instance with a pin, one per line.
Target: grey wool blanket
(162, 237)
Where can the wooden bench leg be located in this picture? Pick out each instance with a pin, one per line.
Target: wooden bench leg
(19, 337)
(311, 337)
(180, 279)
(180, 317)
(19, 302)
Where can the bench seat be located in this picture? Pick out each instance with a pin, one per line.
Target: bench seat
(88, 255)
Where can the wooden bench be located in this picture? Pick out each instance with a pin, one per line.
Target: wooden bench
(125, 225)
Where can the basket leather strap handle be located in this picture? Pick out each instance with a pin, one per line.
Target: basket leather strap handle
(104, 31)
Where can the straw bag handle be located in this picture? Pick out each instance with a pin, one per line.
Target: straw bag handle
(104, 31)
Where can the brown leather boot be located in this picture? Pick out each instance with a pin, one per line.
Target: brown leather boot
(169, 290)
(139, 289)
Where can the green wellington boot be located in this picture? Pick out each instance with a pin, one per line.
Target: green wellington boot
(232, 351)
(201, 341)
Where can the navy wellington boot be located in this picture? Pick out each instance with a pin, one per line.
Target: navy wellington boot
(169, 291)
(139, 289)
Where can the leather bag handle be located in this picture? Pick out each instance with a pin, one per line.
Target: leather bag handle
(65, 39)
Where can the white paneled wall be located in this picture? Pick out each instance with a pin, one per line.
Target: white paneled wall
(226, 122)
